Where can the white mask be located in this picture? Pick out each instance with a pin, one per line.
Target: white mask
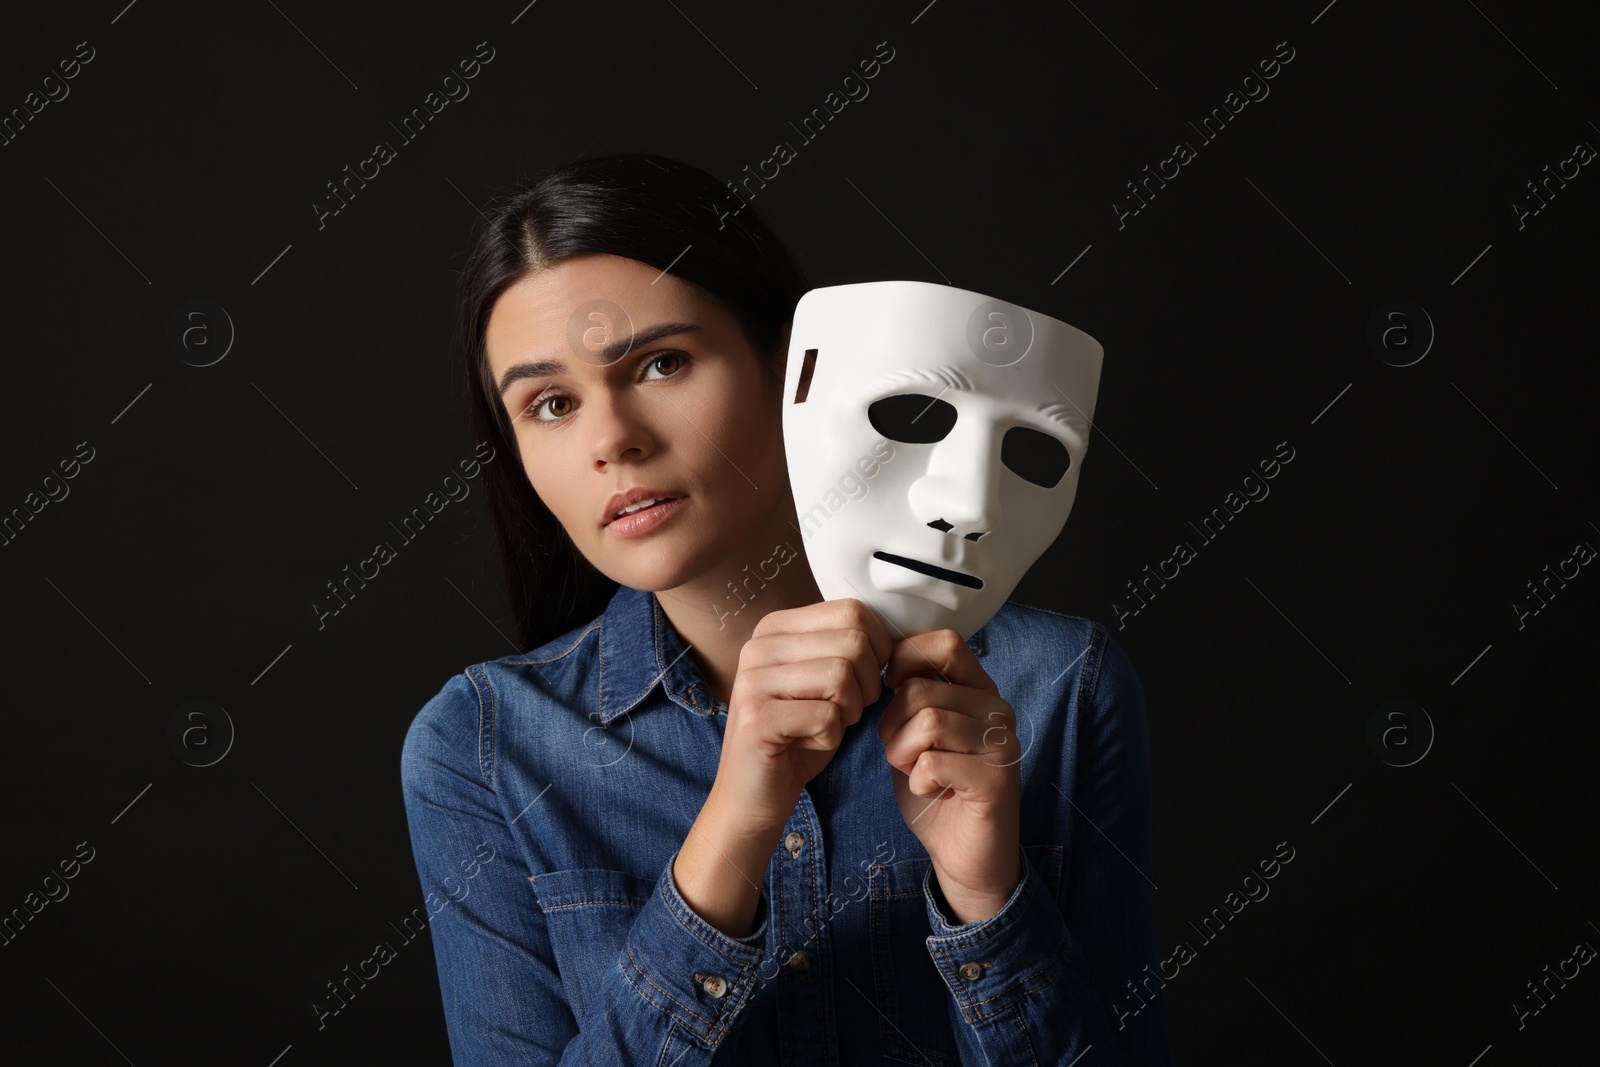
(970, 475)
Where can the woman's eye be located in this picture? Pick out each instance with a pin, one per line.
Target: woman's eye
(532, 412)
(676, 361)
(677, 358)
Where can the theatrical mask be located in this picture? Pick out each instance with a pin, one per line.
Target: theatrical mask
(934, 438)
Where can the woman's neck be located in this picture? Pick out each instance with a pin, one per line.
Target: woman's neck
(716, 613)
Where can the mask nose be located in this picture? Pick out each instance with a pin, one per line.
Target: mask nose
(960, 493)
(945, 527)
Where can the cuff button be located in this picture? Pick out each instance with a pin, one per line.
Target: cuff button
(714, 984)
(970, 971)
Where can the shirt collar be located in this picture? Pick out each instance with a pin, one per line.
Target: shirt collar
(639, 647)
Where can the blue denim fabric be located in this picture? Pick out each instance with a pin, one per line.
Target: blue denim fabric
(547, 795)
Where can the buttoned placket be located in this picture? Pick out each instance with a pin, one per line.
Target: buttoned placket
(799, 963)
(798, 881)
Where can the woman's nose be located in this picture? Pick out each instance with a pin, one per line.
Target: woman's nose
(619, 429)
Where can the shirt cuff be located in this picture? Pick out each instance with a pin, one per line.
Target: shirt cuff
(695, 973)
(992, 963)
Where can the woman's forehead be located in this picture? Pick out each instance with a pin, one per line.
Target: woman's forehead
(579, 306)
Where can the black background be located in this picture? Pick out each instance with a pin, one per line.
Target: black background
(1233, 308)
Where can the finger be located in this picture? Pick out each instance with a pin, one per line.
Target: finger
(786, 694)
(824, 720)
(918, 693)
(814, 724)
(942, 651)
(830, 678)
(947, 731)
(792, 647)
(846, 613)
(968, 777)
(1001, 741)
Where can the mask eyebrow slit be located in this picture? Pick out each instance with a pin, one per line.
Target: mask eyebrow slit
(806, 369)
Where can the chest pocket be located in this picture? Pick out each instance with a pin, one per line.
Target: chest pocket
(915, 1014)
(588, 914)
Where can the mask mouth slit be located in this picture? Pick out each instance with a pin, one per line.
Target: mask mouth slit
(930, 570)
(806, 368)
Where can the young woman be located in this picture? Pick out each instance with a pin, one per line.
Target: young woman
(689, 827)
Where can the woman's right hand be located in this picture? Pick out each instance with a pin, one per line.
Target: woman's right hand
(804, 675)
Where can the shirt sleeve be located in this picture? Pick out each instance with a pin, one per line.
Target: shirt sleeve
(675, 993)
(1042, 982)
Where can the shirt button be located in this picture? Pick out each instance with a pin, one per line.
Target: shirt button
(793, 842)
(800, 963)
(715, 985)
(970, 971)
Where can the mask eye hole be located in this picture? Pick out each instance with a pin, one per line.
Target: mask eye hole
(912, 418)
(1034, 455)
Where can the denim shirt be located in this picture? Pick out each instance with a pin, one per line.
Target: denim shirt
(547, 795)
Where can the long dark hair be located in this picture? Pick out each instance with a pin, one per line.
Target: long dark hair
(647, 208)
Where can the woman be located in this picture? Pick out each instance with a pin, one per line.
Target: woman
(689, 827)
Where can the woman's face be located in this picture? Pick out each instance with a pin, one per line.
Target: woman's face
(688, 409)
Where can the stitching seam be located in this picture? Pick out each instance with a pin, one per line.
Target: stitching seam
(558, 655)
(648, 981)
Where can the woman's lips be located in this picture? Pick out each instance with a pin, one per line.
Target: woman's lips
(645, 519)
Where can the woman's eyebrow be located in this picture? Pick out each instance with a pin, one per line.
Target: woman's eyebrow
(541, 368)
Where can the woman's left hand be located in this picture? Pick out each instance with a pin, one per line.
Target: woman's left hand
(957, 769)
